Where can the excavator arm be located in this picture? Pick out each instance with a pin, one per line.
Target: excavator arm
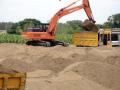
(88, 10)
(67, 10)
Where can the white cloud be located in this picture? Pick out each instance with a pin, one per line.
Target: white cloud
(15, 10)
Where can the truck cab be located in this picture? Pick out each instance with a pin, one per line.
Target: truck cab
(115, 37)
(106, 37)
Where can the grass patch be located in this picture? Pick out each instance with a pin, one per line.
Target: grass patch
(64, 37)
(13, 38)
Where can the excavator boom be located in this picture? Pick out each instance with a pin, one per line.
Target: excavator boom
(67, 10)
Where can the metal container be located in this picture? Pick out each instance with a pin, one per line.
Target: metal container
(86, 39)
(12, 81)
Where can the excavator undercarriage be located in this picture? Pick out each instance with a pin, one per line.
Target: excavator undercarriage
(47, 43)
(35, 41)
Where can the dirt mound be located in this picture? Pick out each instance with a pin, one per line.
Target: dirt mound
(66, 68)
(54, 64)
(28, 58)
(72, 81)
(19, 65)
(5, 70)
(104, 74)
(113, 60)
(67, 81)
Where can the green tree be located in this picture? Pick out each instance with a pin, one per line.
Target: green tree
(22, 26)
(99, 25)
(8, 25)
(107, 25)
(63, 28)
(2, 26)
(69, 27)
(113, 21)
(75, 25)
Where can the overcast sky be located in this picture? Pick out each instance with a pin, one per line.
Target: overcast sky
(43, 10)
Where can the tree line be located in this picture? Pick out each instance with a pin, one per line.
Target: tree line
(69, 27)
(113, 21)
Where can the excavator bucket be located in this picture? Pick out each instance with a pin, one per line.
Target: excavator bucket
(89, 26)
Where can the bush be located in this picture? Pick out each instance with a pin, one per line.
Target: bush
(11, 38)
(64, 37)
(18, 28)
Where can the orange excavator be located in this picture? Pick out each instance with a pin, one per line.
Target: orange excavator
(44, 35)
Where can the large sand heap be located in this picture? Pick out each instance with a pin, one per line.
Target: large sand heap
(64, 68)
(104, 74)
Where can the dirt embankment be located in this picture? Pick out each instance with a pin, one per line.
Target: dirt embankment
(5, 70)
(68, 68)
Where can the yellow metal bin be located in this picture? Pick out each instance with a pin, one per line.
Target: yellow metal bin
(86, 39)
(12, 81)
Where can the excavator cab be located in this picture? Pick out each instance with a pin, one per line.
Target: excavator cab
(43, 27)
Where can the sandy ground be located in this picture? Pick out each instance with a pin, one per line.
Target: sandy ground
(64, 68)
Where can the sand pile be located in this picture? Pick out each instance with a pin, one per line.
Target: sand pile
(103, 74)
(80, 76)
(5, 70)
(19, 65)
(113, 60)
(66, 68)
(29, 58)
(70, 80)
(56, 65)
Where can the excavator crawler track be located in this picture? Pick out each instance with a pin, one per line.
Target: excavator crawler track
(47, 43)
